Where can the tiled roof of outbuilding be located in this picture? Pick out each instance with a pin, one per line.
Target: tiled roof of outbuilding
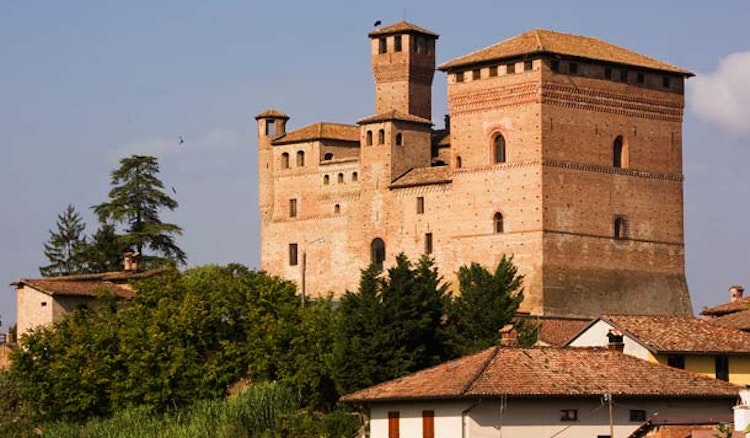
(321, 131)
(547, 372)
(393, 115)
(539, 41)
(557, 331)
(420, 176)
(401, 27)
(681, 334)
(730, 307)
(89, 285)
(737, 320)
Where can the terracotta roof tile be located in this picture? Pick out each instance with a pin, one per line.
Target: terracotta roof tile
(737, 320)
(271, 113)
(681, 334)
(557, 331)
(88, 285)
(544, 372)
(421, 176)
(401, 27)
(730, 307)
(393, 115)
(321, 131)
(539, 41)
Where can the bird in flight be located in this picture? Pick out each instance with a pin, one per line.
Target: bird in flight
(377, 23)
(181, 140)
(173, 190)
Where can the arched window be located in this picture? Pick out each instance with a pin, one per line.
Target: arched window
(369, 138)
(377, 252)
(499, 148)
(498, 221)
(285, 160)
(458, 162)
(328, 156)
(399, 139)
(381, 136)
(619, 153)
(326, 180)
(341, 178)
(355, 176)
(621, 228)
(337, 209)
(300, 158)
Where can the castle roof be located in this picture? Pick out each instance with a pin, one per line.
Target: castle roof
(386, 116)
(680, 334)
(422, 176)
(401, 27)
(540, 41)
(271, 114)
(737, 305)
(321, 131)
(89, 285)
(547, 372)
(737, 320)
(557, 330)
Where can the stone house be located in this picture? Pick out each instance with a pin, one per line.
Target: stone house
(681, 342)
(562, 150)
(538, 392)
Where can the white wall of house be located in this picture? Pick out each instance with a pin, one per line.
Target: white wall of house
(517, 418)
(596, 336)
(33, 308)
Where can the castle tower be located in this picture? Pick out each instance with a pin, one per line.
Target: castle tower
(403, 65)
(271, 124)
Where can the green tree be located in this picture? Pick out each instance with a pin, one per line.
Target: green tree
(105, 251)
(487, 302)
(66, 246)
(135, 202)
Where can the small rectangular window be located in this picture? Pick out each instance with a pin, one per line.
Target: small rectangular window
(428, 424)
(393, 425)
(269, 127)
(475, 74)
(569, 415)
(397, 43)
(528, 65)
(623, 75)
(420, 205)
(665, 82)
(44, 304)
(292, 254)
(641, 78)
(493, 71)
(722, 368)
(460, 76)
(292, 208)
(554, 65)
(638, 415)
(382, 45)
(510, 69)
(573, 68)
(676, 361)
(428, 243)
(607, 72)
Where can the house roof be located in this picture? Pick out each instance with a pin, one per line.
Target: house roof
(271, 113)
(737, 320)
(401, 27)
(321, 131)
(89, 285)
(387, 116)
(546, 372)
(421, 176)
(726, 308)
(557, 331)
(540, 41)
(662, 334)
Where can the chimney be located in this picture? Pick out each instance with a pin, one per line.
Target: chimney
(508, 336)
(447, 120)
(615, 340)
(129, 262)
(735, 292)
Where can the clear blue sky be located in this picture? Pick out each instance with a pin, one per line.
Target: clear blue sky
(85, 83)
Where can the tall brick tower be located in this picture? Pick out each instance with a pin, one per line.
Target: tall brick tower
(403, 65)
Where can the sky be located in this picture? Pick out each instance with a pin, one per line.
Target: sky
(86, 83)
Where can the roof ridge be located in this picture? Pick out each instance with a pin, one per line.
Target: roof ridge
(481, 371)
(539, 39)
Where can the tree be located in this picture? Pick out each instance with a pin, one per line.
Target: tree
(487, 302)
(66, 246)
(105, 251)
(135, 202)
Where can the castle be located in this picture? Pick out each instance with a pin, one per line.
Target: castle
(561, 150)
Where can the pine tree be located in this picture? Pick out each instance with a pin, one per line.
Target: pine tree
(135, 202)
(105, 251)
(486, 303)
(66, 246)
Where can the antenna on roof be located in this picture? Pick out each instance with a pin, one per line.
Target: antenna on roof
(404, 12)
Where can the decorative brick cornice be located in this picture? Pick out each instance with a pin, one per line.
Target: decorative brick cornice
(591, 99)
(341, 196)
(494, 98)
(619, 241)
(614, 170)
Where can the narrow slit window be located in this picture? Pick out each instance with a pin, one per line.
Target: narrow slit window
(292, 254)
(498, 223)
(340, 178)
(397, 43)
(382, 45)
(326, 180)
(459, 162)
(369, 138)
(377, 252)
(619, 153)
(270, 127)
(499, 148)
(381, 136)
(355, 176)
(420, 205)
(292, 207)
(337, 209)
(285, 160)
(399, 139)
(300, 158)
(621, 231)
(428, 243)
